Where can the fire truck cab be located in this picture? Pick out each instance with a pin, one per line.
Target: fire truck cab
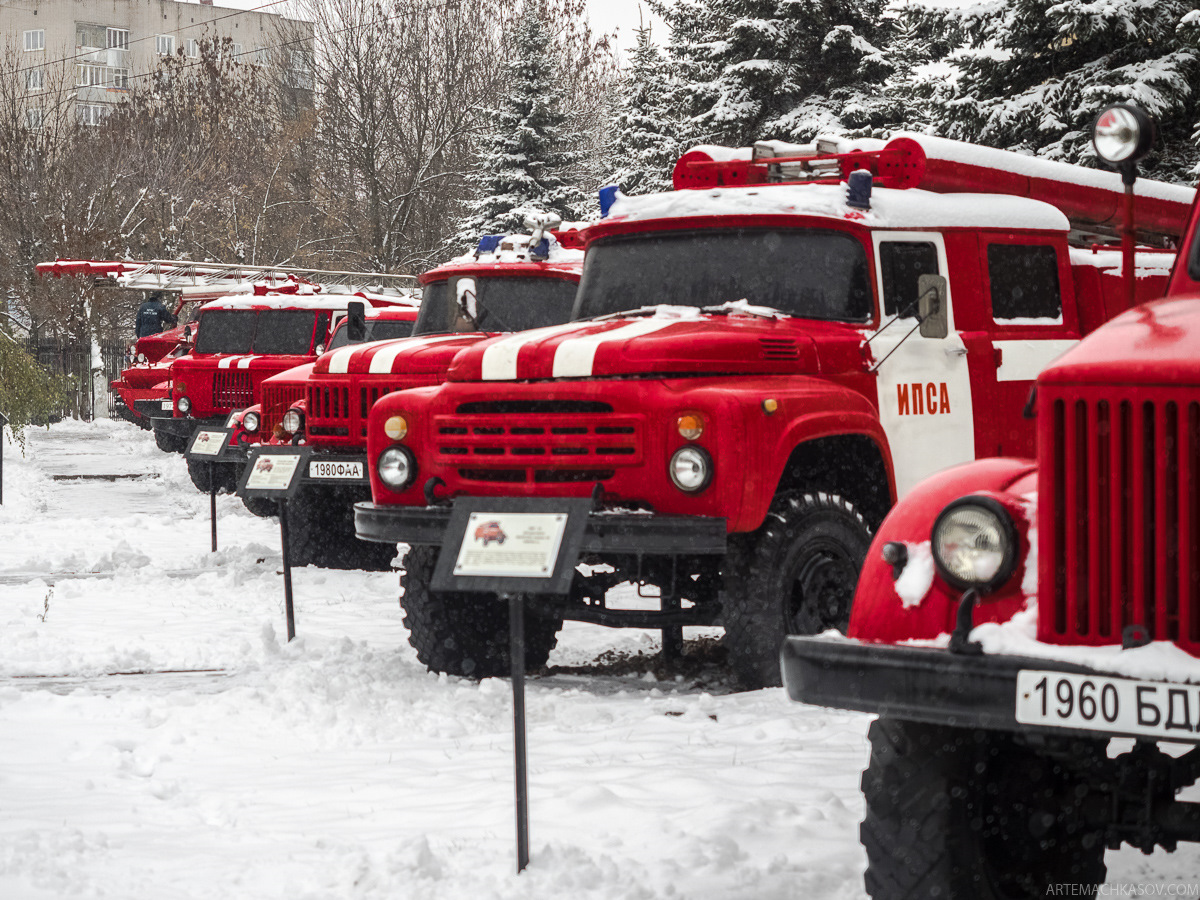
(1014, 616)
(761, 361)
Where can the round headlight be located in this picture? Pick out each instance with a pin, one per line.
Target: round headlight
(691, 469)
(396, 427)
(975, 544)
(690, 426)
(251, 421)
(1122, 134)
(396, 468)
(183, 404)
(293, 421)
(141, 358)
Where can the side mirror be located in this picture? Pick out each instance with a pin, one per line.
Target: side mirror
(356, 322)
(464, 294)
(932, 293)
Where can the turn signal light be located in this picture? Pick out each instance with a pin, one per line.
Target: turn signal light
(396, 428)
(690, 426)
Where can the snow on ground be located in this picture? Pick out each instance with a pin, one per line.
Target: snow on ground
(159, 737)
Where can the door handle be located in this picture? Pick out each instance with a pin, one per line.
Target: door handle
(956, 351)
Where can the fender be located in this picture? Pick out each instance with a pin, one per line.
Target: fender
(880, 615)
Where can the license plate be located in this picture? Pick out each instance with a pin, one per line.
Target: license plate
(325, 469)
(1115, 705)
(166, 406)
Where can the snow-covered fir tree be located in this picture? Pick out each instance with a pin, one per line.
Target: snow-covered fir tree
(647, 125)
(524, 158)
(786, 68)
(1034, 73)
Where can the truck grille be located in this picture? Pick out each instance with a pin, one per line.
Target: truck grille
(231, 389)
(1120, 522)
(538, 442)
(275, 402)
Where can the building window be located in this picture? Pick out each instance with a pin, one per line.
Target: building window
(164, 44)
(119, 78)
(35, 79)
(88, 75)
(192, 48)
(90, 113)
(90, 37)
(33, 118)
(118, 38)
(35, 40)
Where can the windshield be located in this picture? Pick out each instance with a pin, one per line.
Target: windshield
(226, 331)
(285, 331)
(501, 304)
(801, 272)
(380, 330)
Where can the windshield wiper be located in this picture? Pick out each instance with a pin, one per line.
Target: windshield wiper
(746, 309)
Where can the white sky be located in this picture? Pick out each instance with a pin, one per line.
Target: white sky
(622, 16)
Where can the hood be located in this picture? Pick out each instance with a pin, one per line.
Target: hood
(297, 375)
(413, 356)
(1155, 343)
(666, 341)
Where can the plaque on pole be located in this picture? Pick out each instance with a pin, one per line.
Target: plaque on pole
(513, 547)
(273, 473)
(207, 447)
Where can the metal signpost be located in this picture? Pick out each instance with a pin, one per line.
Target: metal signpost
(513, 547)
(207, 446)
(273, 473)
(3, 422)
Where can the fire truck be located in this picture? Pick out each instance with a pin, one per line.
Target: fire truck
(509, 283)
(762, 361)
(1013, 616)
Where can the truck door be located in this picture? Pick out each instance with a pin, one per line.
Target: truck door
(1033, 321)
(924, 386)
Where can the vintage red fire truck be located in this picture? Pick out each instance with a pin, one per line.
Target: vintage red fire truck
(766, 358)
(509, 283)
(1013, 616)
(241, 341)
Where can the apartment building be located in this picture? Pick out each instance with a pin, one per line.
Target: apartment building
(100, 48)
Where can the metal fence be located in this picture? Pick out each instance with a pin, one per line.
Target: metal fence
(72, 366)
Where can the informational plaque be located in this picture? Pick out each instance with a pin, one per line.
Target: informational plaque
(208, 443)
(273, 472)
(505, 544)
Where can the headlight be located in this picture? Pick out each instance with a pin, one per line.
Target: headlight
(690, 426)
(141, 358)
(293, 421)
(975, 544)
(251, 421)
(183, 404)
(691, 469)
(396, 468)
(1122, 134)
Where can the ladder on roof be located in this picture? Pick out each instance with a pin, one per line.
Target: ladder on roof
(176, 274)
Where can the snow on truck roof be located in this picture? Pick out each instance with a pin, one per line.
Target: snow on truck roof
(335, 302)
(512, 250)
(890, 208)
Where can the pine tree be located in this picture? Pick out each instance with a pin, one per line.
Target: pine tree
(523, 163)
(1034, 74)
(647, 126)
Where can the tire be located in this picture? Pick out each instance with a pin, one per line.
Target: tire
(321, 533)
(462, 633)
(261, 507)
(169, 443)
(953, 812)
(203, 474)
(795, 575)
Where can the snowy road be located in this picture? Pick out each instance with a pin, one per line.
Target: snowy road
(159, 739)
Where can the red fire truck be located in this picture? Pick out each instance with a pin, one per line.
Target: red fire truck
(1014, 616)
(510, 283)
(766, 358)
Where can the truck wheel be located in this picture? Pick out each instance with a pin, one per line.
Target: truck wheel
(953, 812)
(795, 575)
(261, 507)
(203, 474)
(466, 634)
(169, 443)
(321, 533)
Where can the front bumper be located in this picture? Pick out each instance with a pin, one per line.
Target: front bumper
(183, 428)
(645, 535)
(925, 684)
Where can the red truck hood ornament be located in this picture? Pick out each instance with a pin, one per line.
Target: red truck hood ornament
(663, 340)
